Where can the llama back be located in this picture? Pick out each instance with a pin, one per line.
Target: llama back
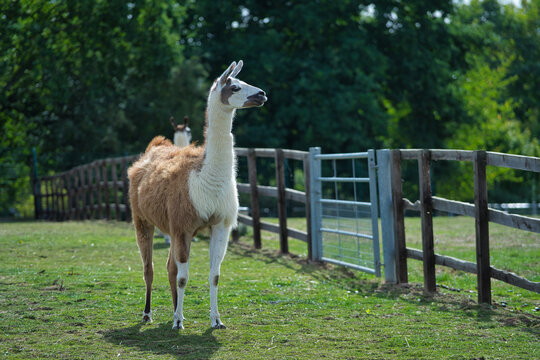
(158, 141)
(158, 180)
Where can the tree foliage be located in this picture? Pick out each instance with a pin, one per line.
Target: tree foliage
(88, 79)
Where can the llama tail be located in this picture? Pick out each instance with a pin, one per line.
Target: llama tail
(158, 141)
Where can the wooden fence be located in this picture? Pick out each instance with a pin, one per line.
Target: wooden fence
(99, 190)
(479, 210)
(280, 192)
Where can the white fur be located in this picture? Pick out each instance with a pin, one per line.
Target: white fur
(182, 138)
(218, 247)
(212, 190)
(183, 273)
(147, 314)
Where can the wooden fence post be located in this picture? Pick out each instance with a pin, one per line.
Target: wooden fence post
(74, 195)
(482, 227)
(307, 190)
(282, 203)
(424, 162)
(48, 191)
(71, 195)
(60, 192)
(125, 189)
(54, 198)
(255, 214)
(36, 186)
(65, 200)
(106, 193)
(62, 187)
(99, 186)
(235, 235)
(80, 196)
(48, 205)
(51, 196)
(68, 194)
(115, 191)
(84, 192)
(91, 191)
(399, 222)
(59, 197)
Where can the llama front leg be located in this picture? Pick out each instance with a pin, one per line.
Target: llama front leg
(181, 281)
(178, 276)
(218, 247)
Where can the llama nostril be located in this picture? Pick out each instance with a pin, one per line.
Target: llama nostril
(262, 93)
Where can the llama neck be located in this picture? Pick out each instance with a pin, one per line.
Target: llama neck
(219, 153)
(181, 139)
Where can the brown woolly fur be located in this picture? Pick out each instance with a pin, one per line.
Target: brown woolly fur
(158, 141)
(158, 188)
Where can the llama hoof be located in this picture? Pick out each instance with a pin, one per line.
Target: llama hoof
(178, 322)
(178, 325)
(147, 317)
(219, 325)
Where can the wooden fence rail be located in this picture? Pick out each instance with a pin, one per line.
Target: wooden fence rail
(99, 190)
(280, 192)
(479, 210)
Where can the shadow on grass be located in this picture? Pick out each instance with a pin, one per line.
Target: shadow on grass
(160, 244)
(460, 304)
(163, 340)
(342, 276)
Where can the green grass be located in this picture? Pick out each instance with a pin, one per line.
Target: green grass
(74, 290)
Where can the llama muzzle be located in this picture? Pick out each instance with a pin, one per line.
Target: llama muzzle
(256, 100)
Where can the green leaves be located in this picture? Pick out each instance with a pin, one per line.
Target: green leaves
(91, 79)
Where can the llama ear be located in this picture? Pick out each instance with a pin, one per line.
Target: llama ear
(172, 122)
(186, 120)
(223, 78)
(237, 69)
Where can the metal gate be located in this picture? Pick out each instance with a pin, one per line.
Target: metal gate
(344, 210)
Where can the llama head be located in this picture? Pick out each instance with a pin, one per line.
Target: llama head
(236, 94)
(182, 133)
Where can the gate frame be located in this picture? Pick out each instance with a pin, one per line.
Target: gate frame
(315, 158)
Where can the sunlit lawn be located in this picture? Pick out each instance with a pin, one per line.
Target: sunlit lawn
(74, 290)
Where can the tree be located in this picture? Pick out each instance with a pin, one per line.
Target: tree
(488, 86)
(315, 60)
(90, 79)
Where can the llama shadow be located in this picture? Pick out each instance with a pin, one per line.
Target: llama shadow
(158, 245)
(162, 340)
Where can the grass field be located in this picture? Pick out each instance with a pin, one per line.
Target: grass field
(74, 290)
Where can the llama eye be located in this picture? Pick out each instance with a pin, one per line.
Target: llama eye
(235, 88)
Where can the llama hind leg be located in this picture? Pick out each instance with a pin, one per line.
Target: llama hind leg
(145, 238)
(218, 247)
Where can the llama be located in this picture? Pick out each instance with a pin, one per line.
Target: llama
(184, 190)
(182, 133)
